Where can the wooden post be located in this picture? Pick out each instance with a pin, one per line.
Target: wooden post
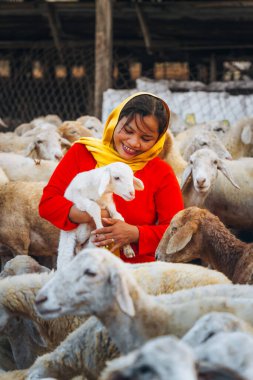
(103, 52)
(213, 69)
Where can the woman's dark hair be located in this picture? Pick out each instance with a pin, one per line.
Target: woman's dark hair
(146, 105)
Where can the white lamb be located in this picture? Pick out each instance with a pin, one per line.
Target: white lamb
(90, 191)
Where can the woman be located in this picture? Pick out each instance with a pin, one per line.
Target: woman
(134, 133)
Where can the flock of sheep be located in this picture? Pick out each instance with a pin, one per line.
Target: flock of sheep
(99, 318)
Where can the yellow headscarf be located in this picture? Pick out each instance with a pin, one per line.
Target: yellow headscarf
(103, 151)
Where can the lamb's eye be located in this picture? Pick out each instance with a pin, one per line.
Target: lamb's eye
(203, 144)
(89, 273)
(117, 178)
(215, 162)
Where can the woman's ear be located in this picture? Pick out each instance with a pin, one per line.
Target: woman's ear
(138, 184)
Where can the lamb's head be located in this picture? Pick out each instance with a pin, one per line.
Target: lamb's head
(182, 241)
(119, 179)
(94, 281)
(158, 359)
(203, 168)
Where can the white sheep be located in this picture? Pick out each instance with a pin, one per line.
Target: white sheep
(93, 124)
(232, 350)
(45, 144)
(239, 138)
(212, 324)
(19, 168)
(197, 233)
(98, 283)
(204, 185)
(160, 358)
(90, 191)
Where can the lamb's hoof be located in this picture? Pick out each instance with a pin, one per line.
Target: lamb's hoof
(128, 251)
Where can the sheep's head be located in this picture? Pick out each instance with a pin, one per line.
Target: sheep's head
(207, 139)
(94, 281)
(47, 146)
(182, 240)
(203, 169)
(158, 359)
(119, 179)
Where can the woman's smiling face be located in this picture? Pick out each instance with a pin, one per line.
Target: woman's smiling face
(136, 136)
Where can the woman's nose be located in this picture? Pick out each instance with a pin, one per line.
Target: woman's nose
(135, 142)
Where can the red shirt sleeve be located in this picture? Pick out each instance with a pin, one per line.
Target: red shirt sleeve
(53, 205)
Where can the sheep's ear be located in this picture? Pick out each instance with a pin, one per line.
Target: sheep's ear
(138, 184)
(65, 142)
(120, 290)
(246, 135)
(181, 238)
(31, 147)
(186, 176)
(104, 182)
(222, 167)
(35, 334)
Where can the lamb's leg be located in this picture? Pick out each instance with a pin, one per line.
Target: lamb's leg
(92, 208)
(127, 249)
(66, 248)
(84, 351)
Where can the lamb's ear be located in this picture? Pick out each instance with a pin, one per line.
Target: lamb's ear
(104, 182)
(120, 290)
(222, 166)
(246, 135)
(186, 176)
(138, 184)
(31, 147)
(181, 238)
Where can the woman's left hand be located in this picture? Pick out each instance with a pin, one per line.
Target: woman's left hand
(116, 231)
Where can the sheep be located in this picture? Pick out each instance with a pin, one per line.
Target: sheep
(206, 139)
(73, 130)
(239, 139)
(218, 128)
(212, 324)
(19, 168)
(197, 233)
(232, 350)
(91, 190)
(203, 184)
(161, 358)
(20, 265)
(101, 285)
(93, 124)
(45, 144)
(22, 230)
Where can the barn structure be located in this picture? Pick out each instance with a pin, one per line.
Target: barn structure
(60, 56)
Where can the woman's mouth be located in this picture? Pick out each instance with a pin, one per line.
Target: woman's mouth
(130, 151)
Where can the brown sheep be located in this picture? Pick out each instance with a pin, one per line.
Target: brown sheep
(197, 233)
(73, 130)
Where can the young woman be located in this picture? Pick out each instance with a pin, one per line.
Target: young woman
(134, 134)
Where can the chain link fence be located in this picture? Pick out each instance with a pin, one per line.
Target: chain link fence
(37, 82)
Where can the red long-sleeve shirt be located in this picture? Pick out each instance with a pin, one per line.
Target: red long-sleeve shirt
(151, 210)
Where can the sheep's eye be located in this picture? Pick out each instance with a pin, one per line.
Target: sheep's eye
(89, 273)
(191, 162)
(215, 162)
(203, 144)
(117, 178)
(73, 132)
(39, 142)
(219, 130)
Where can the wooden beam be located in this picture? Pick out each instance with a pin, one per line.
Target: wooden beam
(144, 28)
(103, 52)
(54, 25)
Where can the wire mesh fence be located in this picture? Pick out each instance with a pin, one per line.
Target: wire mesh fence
(37, 82)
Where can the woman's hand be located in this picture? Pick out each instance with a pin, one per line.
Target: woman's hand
(115, 231)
